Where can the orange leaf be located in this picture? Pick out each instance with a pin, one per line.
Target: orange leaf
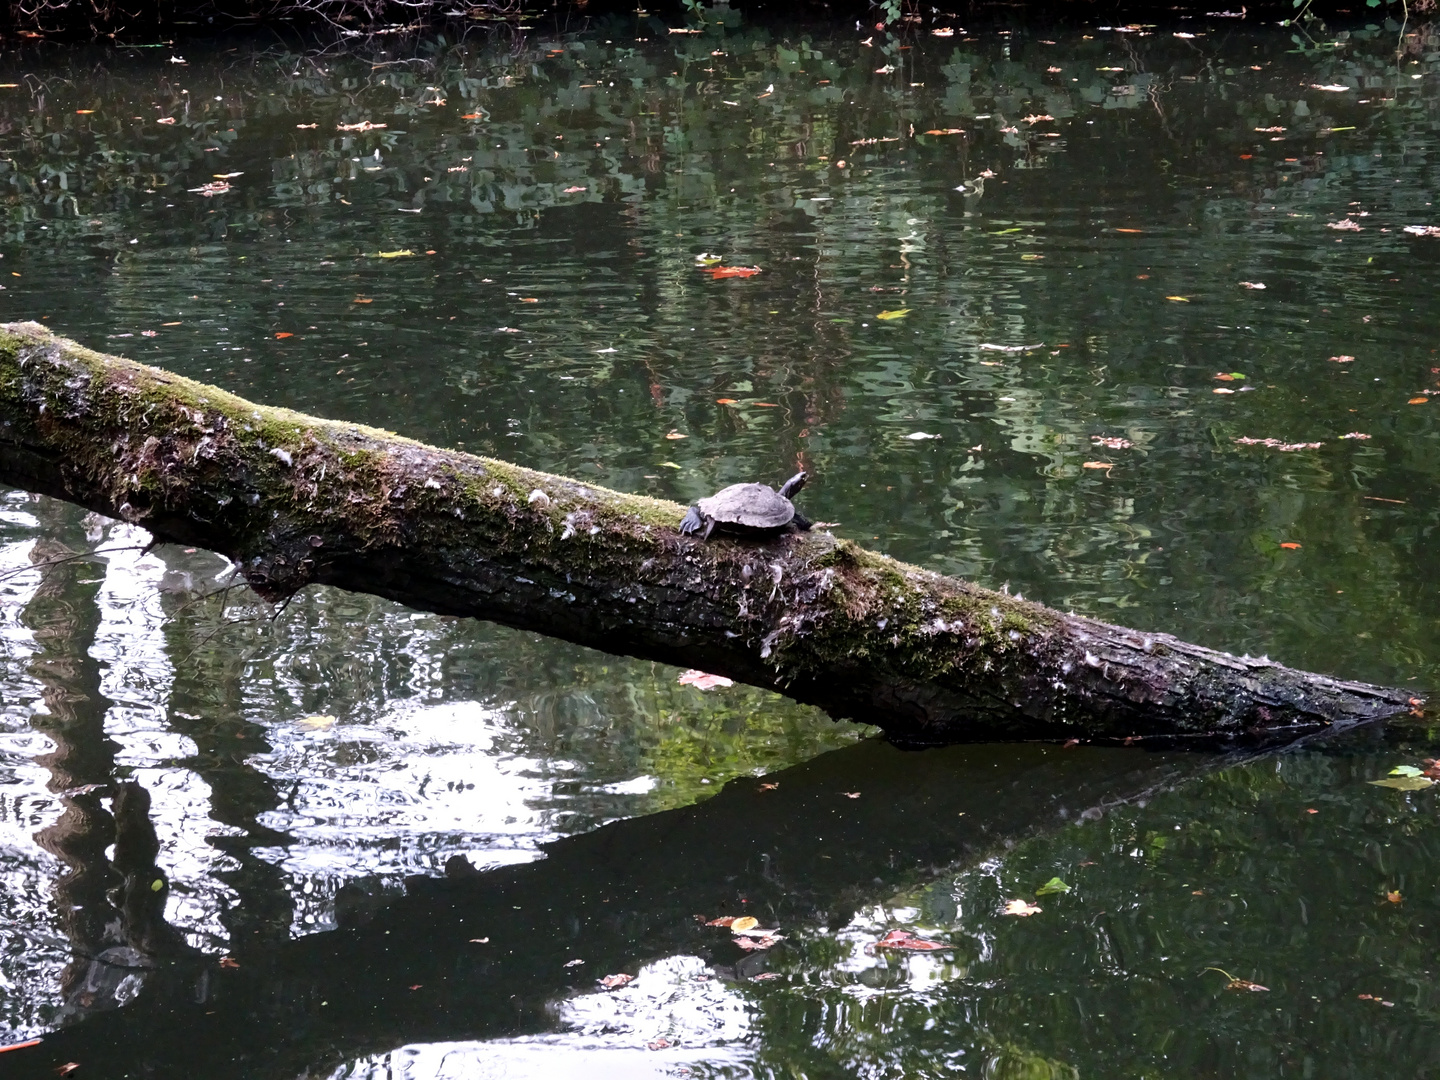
(1130, 230)
(529, 299)
(471, 116)
(21, 1045)
(718, 272)
(84, 112)
(765, 404)
(362, 300)
(284, 334)
(725, 401)
(1417, 401)
(1290, 545)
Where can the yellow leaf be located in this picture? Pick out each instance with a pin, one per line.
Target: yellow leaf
(1021, 907)
(318, 723)
(1179, 299)
(404, 253)
(745, 922)
(898, 313)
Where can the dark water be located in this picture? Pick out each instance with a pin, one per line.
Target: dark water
(519, 262)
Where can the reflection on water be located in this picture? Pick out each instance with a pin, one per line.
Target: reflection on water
(1108, 255)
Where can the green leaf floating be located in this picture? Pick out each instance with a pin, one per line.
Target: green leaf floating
(1405, 770)
(1054, 885)
(1405, 783)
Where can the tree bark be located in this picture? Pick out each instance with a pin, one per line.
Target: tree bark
(296, 500)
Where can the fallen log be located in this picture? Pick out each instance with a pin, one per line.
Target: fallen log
(296, 500)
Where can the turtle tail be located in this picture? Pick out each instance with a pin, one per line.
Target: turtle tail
(692, 522)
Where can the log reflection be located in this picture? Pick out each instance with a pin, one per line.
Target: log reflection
(800, 854)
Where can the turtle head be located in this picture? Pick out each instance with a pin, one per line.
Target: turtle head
(792, 486)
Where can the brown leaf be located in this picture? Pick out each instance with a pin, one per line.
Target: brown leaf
(701, 681)
(908, 942)
(614, 982)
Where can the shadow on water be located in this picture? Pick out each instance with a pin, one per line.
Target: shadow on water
(800, 854)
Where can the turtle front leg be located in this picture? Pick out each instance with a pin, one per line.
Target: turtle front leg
(692, 522)
(800, 521)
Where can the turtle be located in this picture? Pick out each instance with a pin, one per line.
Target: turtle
(754, 510)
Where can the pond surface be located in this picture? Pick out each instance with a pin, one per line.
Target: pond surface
(1139, 321)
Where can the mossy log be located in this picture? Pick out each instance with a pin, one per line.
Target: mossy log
(296, 500)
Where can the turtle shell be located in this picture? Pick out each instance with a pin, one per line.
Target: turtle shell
(750, 506)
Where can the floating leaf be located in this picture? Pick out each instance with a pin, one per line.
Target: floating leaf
(724, 920)
(1237, 984)
(906, 941)
(1245, 984)
(404, 253)
(726, 401)
(1392, 896)
(1405, 783)
(702, 681)
(1342, 359)
(744, 922)
(284, 334)
(1290, 545)
(1054, 885)
(1252, 284)
(1417, 401)
(1111, 442)
(718, 272)
(1179, 299)
(614, 982)
(675, 435)
(898, 313)
(318, 723)
(752, 943)
(918, 436)
(1022, 908)
(1229, 376)
(1097, 465)
(1405, 770)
